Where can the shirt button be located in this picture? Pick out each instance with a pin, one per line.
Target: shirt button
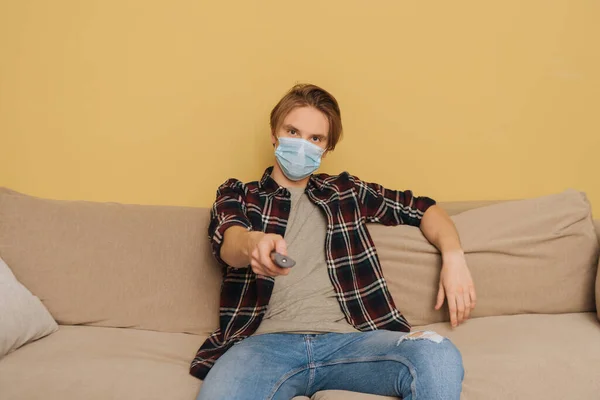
(286, 209)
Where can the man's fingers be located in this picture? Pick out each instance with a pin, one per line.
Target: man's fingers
(260, 257)
(268, 265)
(460, 307)
(254, 264)
(467, 301)
(264, 250)
(452, 308)
(277, 270)
(440, 298)
(259, 268)
(473, 296)
(281, 246)
(266, 260)
(273, 270)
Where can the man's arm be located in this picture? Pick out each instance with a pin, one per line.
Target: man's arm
(439, 229)
(235, 248)
(456, 283)
(241, 248)
(390, 207)
(233, 241)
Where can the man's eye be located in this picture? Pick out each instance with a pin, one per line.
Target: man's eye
(316, 139)
(292, 131)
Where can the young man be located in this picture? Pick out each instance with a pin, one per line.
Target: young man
(329, 322)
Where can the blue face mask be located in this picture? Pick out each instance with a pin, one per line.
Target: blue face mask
(298, 158)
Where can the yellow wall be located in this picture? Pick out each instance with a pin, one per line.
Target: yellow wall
(158, 102)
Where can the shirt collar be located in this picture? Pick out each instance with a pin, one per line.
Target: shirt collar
(268, 184)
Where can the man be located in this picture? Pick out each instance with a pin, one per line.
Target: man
(329, 322)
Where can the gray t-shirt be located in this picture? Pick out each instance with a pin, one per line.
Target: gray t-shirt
(304, 301)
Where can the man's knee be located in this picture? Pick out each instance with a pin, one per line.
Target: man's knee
(434, 357)
(230, 371)
(443, 376)
(449, 359)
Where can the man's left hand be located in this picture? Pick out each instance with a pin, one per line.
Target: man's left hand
(456, 284)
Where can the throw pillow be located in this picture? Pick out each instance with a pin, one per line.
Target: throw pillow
(23, 317)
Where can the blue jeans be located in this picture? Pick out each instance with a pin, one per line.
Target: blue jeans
(279, 366)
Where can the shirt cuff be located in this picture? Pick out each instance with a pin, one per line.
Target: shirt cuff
(218, 235)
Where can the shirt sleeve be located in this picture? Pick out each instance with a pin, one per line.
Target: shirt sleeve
(228, 210)
(390, 207)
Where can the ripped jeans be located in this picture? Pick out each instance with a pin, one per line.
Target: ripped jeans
(278, 366)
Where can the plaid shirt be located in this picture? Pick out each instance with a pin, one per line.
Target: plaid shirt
(348, 204)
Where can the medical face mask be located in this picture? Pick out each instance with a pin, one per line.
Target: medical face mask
(298, 158)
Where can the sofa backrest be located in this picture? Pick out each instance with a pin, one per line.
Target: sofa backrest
(528, 256)
(150, 267)
(115, 265)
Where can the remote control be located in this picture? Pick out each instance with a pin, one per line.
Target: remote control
(282, 261)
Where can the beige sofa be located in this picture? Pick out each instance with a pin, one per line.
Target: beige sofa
(135, 291)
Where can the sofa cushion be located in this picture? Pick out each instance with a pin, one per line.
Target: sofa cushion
(521, 357)
(531, 353)
(108, 264)
(23, 318)
(82, 362)
(528, 256)
(457, 207)
(528, 356)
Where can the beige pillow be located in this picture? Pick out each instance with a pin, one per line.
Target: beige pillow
(113, 265)
(528, 256)
(23, 317)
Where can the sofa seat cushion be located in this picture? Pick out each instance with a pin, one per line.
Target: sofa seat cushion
(531, 356)
(521, 357)
(80, 362)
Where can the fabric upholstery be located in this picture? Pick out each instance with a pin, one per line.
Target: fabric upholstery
(82, 362)
(114, 265)
(23, 317)
(150, 268)
(528, 256)
(457, 207)
(521, 357)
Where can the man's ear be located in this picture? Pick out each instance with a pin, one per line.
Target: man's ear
(273, 139)
(325, 154)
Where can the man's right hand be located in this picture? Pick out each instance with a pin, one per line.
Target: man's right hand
(241, 248)
(260, 246)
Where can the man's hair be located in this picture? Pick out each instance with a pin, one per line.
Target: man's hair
(303, 95)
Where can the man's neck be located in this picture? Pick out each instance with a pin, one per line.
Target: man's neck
(282, 180)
